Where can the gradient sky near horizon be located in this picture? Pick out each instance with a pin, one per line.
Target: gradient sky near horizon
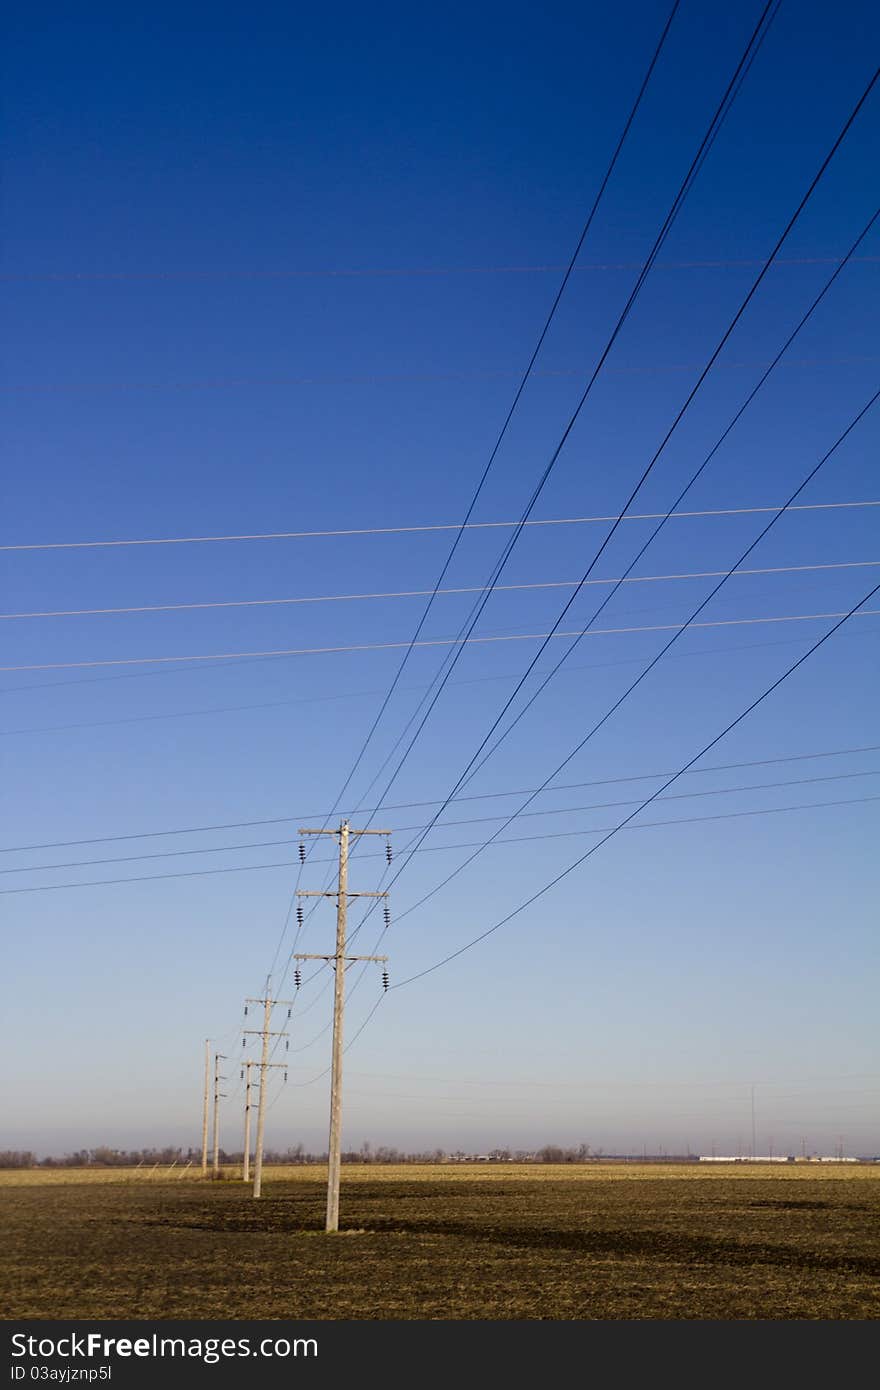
(276, 271)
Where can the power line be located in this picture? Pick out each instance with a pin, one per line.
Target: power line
(428, 527)
(429, 642)
(659, 451)
(414, 641)
(218, 667)
(605, 805)
(329, 698)
(645, 672)
(648, 800)
(433, 849)
(444, 672)
(475, 820)
(475, 767)
(416, 805)
(657, 245)
(652, 463)
(350, 1044)
(423, 593)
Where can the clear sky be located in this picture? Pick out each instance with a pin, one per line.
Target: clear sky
(276, 270)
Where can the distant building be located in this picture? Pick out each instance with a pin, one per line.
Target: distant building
(757, 1158)
(778, 1158)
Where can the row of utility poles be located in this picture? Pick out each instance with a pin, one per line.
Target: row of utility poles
(339, 960)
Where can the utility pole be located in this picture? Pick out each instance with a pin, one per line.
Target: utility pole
(265, 1033)
(246, 1161)
(246, 1074)
(218, 1057)
(754, 1138)
(205, 1107)
(339, 961)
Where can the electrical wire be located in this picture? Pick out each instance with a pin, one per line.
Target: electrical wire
(476, 820)
(433, 849)
(417, 805)
(669, 433)
(657, 454)
(415, 640)
(476, 766)
(357, 694)
(467, 628)
(427, 527)
(351, 1042)
(431, 642)
(811, 474)
(422, 593)
(770, 689)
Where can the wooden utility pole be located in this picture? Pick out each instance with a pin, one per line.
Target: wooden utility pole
(265, 1033)
(205, 1107)
(339, 960)
(218, 1057)
(247, 1123)
(246, 1073)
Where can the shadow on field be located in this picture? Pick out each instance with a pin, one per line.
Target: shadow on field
(679, 1249)
(303, 1218)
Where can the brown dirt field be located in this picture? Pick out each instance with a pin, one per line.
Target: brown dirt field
(456, 1241)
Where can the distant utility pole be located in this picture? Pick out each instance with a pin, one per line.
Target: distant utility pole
(218, 1057)
(754, 1131)
(339, 961)
(205, 1107)
(265, 1033)
(246, 1074)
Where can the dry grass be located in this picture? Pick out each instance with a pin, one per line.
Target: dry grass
(454, 1241)
(458, 1172)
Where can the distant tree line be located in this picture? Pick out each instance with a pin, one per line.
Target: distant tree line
(105, 1157)
(101, 1157)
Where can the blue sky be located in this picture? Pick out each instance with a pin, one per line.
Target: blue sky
(283, 275)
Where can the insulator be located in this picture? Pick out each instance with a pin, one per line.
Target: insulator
(384, 979)
(286, 1046)
(241, 1077)
(288, 1013)
(299, 915)
(244, 1042)
(302, 852)
(245, 1010)
(297, 977)
(285, 1076)
(388, 851)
